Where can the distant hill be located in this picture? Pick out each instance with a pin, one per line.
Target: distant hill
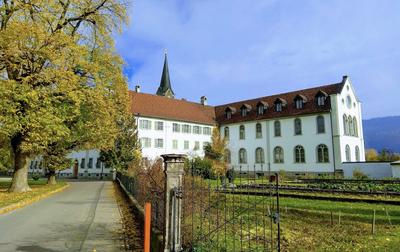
(383, 132)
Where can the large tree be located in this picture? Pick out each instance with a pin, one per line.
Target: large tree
(215, 151)
(6, 154)
(126, 147)
(61, 80)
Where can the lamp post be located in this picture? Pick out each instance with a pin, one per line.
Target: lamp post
(102, 166)
(269, 171)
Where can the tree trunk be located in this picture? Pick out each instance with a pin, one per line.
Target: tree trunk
(51, 179)
(19, 182)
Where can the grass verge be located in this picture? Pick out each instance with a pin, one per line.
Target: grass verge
(131, 228)
(307, 225)
(40, 190)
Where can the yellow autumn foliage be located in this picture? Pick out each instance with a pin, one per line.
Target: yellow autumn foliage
(61, 78)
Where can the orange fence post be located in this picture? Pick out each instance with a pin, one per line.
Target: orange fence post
(147, 220)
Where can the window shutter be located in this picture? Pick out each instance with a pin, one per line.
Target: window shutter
(179, 128)
(149, 123)
(140, 124)
(148, 142)
(190, 128)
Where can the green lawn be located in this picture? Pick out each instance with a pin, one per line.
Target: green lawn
(39, 188)
(306, 225)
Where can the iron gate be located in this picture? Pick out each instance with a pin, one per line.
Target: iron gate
(220, 216)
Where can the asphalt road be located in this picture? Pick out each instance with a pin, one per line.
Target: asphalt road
(81, 218)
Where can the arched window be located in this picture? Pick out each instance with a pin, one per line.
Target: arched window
(258, 130)
(355, 127)
(278, 155)
(297, 126)
(357, 154)
(227, 156)
(277, 126)
(241, 132)
(348, 156)
(320, 124)
(260, 155)
(349, 126)
(323, 154)
(226, 131)
(299, 154)
(242, 156)
(345, 125)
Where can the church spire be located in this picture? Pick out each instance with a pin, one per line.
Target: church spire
(165, 83)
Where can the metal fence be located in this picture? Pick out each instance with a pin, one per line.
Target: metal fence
(222, 216)
(141, 194)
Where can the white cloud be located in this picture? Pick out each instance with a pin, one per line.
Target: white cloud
(235, 50)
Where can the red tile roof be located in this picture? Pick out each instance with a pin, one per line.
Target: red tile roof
(159, 106)
(162, 107)
(309, 107)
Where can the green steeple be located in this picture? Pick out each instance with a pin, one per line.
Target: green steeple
(165, 83)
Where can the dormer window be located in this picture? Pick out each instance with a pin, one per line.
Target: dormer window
(261, 107)
(229, 112)
(321, 101)
(300, 100)
(299, 104)
(321, 97)
(280, 103)
(279, 107)
(245, 109)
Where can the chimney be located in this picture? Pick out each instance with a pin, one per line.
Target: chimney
(203, 100)
(137, 89)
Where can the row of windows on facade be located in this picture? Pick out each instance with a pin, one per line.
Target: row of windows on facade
(277, 128)
(298, 152)
(279, 103)
(159, 143)
(350, 126)
(38, 164)
(176, 127)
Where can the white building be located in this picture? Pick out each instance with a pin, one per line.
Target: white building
(310, 131)
(306, 131)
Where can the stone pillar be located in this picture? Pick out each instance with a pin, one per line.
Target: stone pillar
(173, 169)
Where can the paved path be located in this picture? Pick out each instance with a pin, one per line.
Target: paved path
(81, 218)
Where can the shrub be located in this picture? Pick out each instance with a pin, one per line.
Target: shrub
(282, 173)
(202, 167)
(357, 174)
(36, 176)
(222, 178)
(301, 177)
(231, 175)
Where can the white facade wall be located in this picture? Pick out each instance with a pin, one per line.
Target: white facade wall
(250, 143)
(395, 169)
(92, 171)
(309, 140)
(168, 135)
(376, 170)
(346, 103)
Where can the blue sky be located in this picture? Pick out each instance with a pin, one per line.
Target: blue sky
(232, 50)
